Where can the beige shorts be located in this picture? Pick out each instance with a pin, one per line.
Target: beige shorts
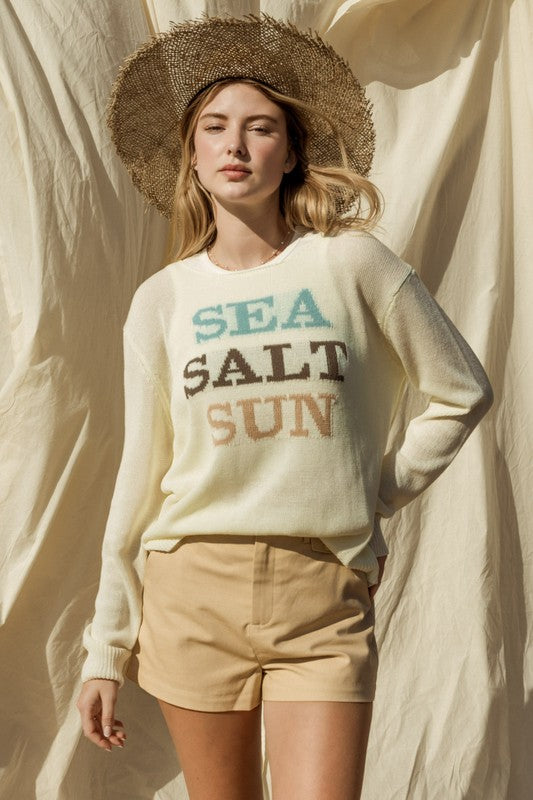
(231, 620)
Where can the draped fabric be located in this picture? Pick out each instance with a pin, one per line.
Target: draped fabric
(450, 83)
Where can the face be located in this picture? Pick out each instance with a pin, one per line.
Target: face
(243, 129)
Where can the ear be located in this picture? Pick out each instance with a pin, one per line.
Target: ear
(290, 161)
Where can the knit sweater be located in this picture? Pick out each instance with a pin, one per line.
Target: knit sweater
(259, 402)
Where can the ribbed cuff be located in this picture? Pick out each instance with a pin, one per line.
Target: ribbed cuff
(103, 661)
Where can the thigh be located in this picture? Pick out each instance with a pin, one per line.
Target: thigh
(317, 749)
(219, 752)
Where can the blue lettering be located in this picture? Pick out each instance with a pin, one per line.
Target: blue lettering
(305, 306)
(199, 319)
(244, 315)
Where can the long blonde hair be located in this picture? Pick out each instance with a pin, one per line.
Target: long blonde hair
(307, 193)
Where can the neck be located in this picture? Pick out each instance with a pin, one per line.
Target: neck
(245, 240)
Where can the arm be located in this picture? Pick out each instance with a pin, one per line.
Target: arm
(438, 362)
(137, 499)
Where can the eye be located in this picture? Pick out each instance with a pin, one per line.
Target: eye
(261, 129)
(213, 128)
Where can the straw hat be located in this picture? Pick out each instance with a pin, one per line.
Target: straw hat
(155, 84)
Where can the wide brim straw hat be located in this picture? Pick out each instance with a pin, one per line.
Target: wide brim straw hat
(156, 83)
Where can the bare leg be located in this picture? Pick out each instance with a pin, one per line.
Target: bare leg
(219, 751)
(316, 749)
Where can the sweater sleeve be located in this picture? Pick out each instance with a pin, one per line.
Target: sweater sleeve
(440, 364)
(377, 541)
(136, 501)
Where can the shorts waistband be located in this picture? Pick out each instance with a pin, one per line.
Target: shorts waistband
(245, 537)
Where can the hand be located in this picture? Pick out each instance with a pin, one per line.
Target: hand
(373, 589)
(96, 705)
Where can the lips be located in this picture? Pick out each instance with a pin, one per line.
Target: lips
(234, 168)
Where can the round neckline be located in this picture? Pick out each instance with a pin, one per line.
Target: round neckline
(298, 234)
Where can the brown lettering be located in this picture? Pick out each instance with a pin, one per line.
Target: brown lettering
(278, 365)
(333, 373)
(322, 421)
(203, 373)
(221, 423)
(242, 366)
(249, 416)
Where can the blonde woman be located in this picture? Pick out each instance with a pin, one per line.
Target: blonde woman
(262, 365)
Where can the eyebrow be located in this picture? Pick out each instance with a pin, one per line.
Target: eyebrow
(248, 119)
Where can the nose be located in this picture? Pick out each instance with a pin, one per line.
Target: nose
(236, 144)
(236, 149)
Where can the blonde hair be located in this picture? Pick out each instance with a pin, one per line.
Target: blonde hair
(309, 194)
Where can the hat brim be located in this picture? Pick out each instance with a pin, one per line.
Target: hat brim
(156, 83)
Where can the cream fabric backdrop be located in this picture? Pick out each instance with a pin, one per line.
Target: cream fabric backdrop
(451, 83)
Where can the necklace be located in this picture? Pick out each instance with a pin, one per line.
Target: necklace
(274, 253)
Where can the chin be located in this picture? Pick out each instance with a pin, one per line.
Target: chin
(236, 197)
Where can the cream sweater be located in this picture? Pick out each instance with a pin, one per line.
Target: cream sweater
(259, 401)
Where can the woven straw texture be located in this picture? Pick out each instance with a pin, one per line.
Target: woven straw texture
(155, 84)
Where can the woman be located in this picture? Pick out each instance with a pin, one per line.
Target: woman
(262, 368)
